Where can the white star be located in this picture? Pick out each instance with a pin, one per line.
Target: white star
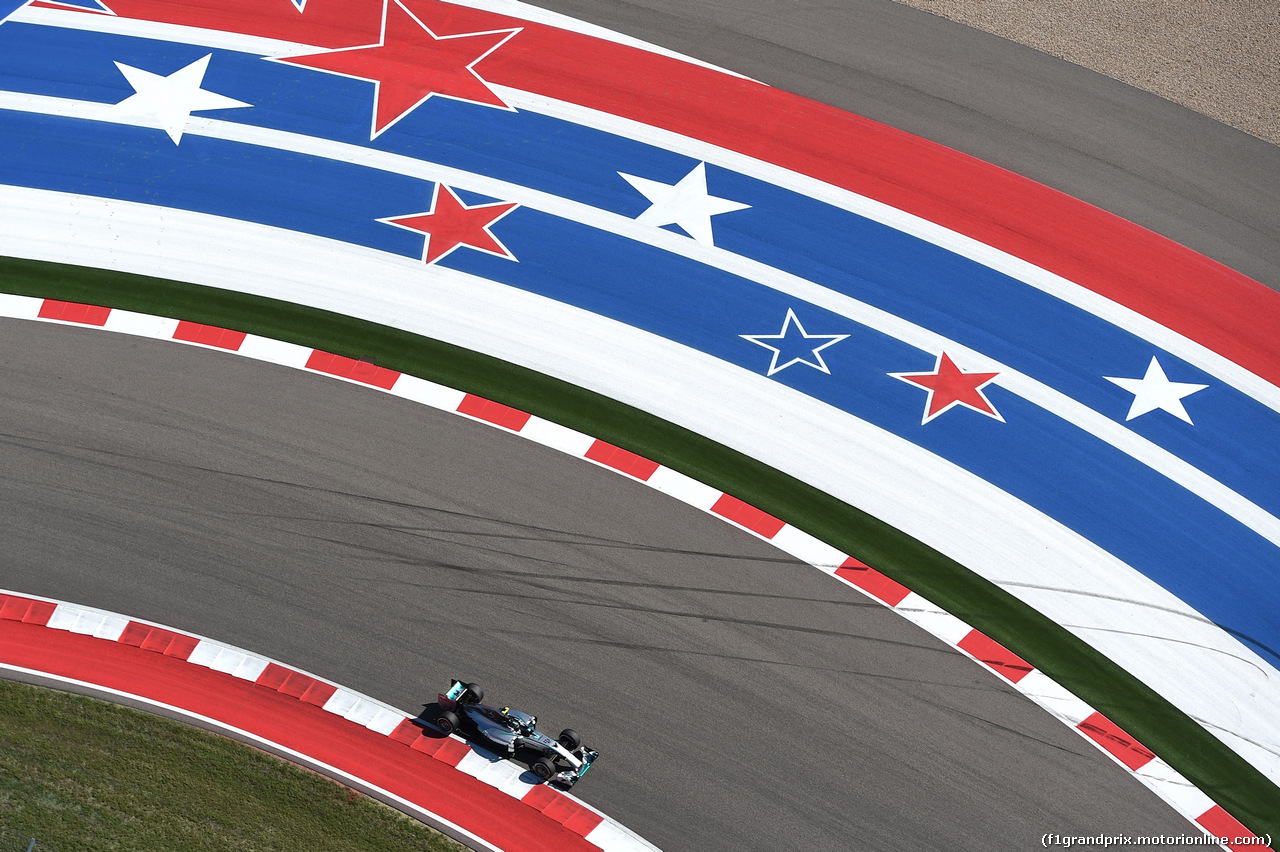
(167, 102)
(1154, 390)
(687, 204)
(774, 367)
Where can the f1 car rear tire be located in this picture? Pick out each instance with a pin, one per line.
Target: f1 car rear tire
(570, 739)
(542, 767)
(473, 695)
(447, 721)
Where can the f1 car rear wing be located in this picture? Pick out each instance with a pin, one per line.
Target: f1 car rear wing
(449, 700)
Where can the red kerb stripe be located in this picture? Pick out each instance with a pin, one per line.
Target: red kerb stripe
(26, 610)
(350, 368)
(210, 335)
(1219, 823)
(452, 751)
(748, 516)
(624, 460)
(1113, 738)
(999, 658)
(872, 582)
(493, 412)
(74, 312)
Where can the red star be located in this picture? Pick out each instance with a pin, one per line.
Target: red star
(411, 63)
(948, 386)
(450, 223)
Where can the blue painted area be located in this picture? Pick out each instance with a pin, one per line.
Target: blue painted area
(276, 188)
(1178, 540)
(1034, 333)
(8, 7)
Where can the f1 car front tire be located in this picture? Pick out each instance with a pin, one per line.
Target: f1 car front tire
(542, 767)
(570, 739)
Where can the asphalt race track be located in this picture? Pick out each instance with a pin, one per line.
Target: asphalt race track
(739, 700)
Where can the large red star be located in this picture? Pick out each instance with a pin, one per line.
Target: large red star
(411, 63)
(450, 223)
(948, 386)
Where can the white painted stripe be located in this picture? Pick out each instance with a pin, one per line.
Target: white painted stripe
(1055, 698)
(1069, 579)
(1077, 414)
(428, 393)
(934, 619)
(64, 617)
(612, 837)
(809, 549)
(519, 783)
(275, 351)
(20, 307)
(1057, 286)
(111, 628)
(368, 713)
(87, 622)
(1170, 785)
(141, 325)
(386, 720)
(557, 437)
(362, 712)
(475, 763)
(685, 489)
(341, 702)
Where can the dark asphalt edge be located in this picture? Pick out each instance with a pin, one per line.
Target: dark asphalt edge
(1213, 767)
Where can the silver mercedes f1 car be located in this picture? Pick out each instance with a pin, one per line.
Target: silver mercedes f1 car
(514, 734)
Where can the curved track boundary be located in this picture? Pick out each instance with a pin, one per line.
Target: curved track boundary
(479, 799)
(1068, 708)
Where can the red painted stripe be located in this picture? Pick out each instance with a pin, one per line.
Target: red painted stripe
(317, 692)
(622, 460)
(493, 412)
(327, 23)
(1113, 738)
(1219, 823)
(159, 640)
(996, 656)
(209, 335)
(350, 368)
(572, 815)
(274, 676)
(406, 732)
(745, 515)
(429, 745)
(380, 760)
(1185, 291)
(26, 610)
(540, 796)
(450, 751)
(583, 822)
(872, 582)
(74, 312)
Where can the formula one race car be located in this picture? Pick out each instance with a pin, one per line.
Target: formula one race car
(514, 734)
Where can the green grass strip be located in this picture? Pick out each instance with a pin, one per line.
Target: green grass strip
(1216, 769)
(81, 774)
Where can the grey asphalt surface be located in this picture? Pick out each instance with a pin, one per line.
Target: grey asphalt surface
(1190, 178)
(740, 701)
